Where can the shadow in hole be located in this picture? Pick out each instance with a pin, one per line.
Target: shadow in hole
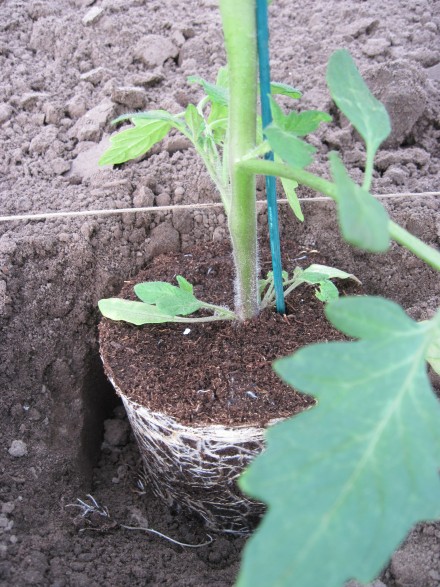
(99, 400)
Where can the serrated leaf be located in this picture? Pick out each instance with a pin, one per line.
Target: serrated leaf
(363, 220)
(354, 99)
(134, 142)
(184, 284)
(168, 298)
(346, 480)
(217, 94)
(288, 147)
(327, 291)
(298, 123)
(285, 90)
(195, 121)
(303, 123)
(137, 313)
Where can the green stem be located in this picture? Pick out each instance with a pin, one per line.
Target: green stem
(423, 251)
(269, 296)
(263, 167)
(223, 313)
(369, 165)
(415, 245)
(239, 27)
(293, 286)
(211, 166)
(184, 320)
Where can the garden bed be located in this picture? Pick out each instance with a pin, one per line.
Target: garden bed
(67, 68)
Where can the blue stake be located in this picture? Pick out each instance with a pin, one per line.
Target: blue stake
(272, 210)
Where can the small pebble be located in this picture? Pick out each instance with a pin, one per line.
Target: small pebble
(18, 448)
(92, 15)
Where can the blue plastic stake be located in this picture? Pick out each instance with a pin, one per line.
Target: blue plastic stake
(272, 210)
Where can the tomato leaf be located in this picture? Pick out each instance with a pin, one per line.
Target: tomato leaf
(134, 142)
(168, 298)
(303, 123)
(217, 94)
(285, 90)
(289, 187)
(346, 480)
(363, 220)
(352, 96)
(433, 355)
(288, 147)
(137, 313)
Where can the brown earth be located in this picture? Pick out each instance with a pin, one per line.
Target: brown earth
(218, 372)
(67, 67)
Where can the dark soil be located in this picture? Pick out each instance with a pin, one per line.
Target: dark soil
(67, 67)
(218, 372)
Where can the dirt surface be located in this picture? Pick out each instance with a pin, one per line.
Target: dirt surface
(237, 385)
(67, 67)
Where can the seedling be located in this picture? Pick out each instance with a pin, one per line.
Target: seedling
(226, 132)
(346, 480)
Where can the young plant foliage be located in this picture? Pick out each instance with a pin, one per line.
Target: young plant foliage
(363, 220)
(346, 480)
(135, 141)
(354, 99)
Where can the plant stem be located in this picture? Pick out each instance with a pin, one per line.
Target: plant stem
(415, 245)
(221, 312)
(369, 164)
(260, 167)
(423, 251)
(239, 27)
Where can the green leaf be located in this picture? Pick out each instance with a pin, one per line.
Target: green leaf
(312, 277)
(378, 317)
(363, 220)
(278, 116)
(195, 121)
(354, 99)
(150, 115)
(135, 141)
(433, 355)
(222, 80)
(137, 313)
(289, 186)
(288, 147)
(168, 298)
(346, 480)
(327, 291)
(217, 94)
(218, 122)
(184, 284)
(330, 272)
(303, 123)
(298, 123)
(285, 90)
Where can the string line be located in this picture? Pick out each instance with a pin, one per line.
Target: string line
(201, 206)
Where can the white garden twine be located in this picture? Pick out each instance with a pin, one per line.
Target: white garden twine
(108, 212)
